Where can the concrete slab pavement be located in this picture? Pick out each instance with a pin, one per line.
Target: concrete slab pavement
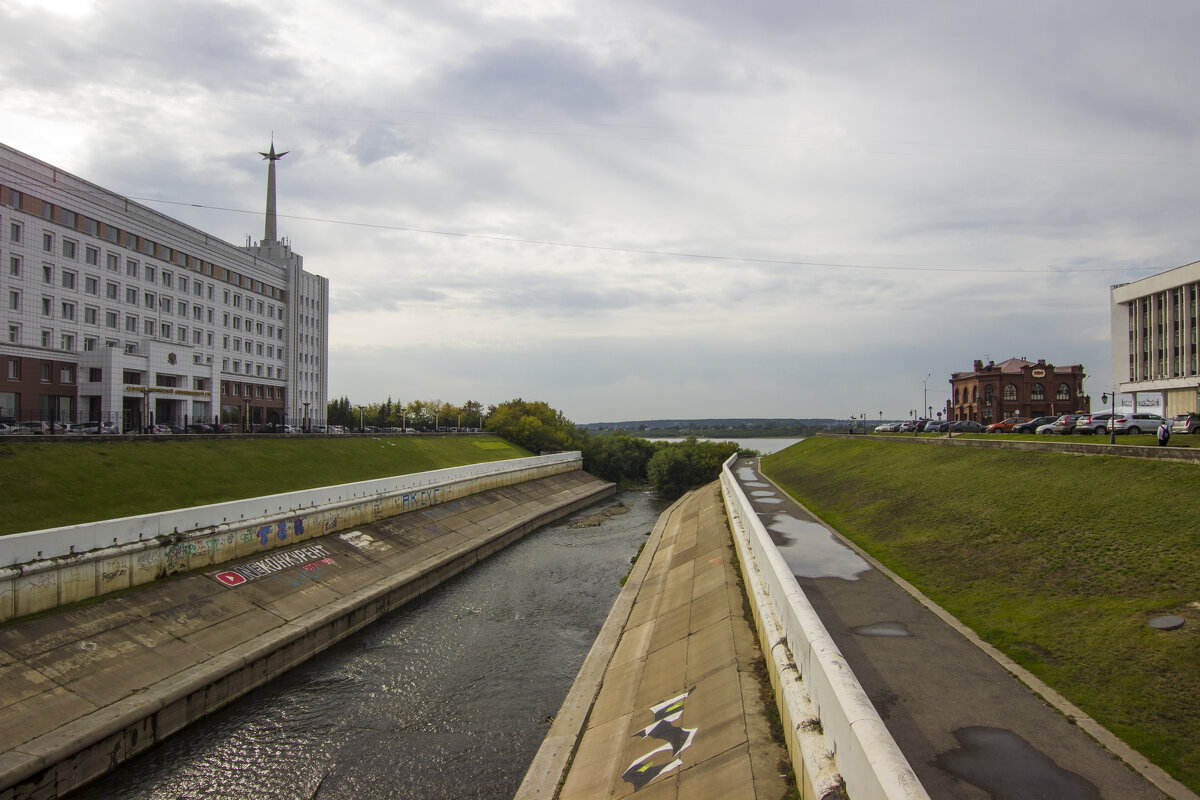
(670, 702)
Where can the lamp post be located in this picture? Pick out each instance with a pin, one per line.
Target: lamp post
(306, 417)
(925, 383)
(1112, 428)
(360, 419)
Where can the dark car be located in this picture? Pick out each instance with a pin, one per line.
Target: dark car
(965, 426)
(271, 427)
(1032, 425)
(937, 426)
(199, 427)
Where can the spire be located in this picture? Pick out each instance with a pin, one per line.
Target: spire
(269, 235)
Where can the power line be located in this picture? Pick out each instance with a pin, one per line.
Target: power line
(647, 252)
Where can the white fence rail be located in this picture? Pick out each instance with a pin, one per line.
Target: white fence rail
(867, 756)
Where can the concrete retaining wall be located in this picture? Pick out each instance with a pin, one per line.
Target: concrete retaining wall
(54, 567)
(95, 744)
(816, 692)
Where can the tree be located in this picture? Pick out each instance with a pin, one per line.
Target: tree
(535, 426)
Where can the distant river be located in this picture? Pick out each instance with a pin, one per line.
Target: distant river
(765, 446)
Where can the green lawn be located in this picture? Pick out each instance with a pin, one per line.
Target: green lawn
(1057, 560)
(62, 483)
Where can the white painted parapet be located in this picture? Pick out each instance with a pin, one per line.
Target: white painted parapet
(44, 569)
(866, 756)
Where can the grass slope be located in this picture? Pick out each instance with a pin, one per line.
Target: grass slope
(1058, 560)
(62, 483)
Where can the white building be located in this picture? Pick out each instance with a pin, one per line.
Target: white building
(114, 312)
(1155, 356)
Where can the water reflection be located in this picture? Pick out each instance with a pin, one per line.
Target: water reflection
(449, 697)
(811, 551)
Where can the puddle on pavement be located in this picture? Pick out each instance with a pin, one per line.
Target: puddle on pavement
(746, 474)
(1009, 768)
(768, 500)
(755, 484)
(811, 551)
(763, 494)
(883, 629)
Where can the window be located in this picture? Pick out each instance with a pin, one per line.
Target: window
(1010, 391)
(48, 242)
(14, 368)
(90, 315)
(14, 301)
(149, 300)
(131, 323)
(14, 265)
(46, 306)
(68, 311)
(183, 333)
(166, 330)
(1037, 392)
(95, 375)
(181, 308)
(45, 371)
(89, 343)
(91, 255)
(110, 319)
(167, 279)
(989, 394)
(114, 261)
(68, 280)
(237, 301)
(165, 305)
(68, 343)
(14, 232)
(148, 327)
(91, 284)
(149, 274)
(130, 294)
(48, 274)
(14, 335)
(68, 248)
(197, 313)
(131, 268)
(183, 284)
(47, 335)
(1063, 393)
(237, 323)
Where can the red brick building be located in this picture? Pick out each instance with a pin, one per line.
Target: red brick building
(1016, 388)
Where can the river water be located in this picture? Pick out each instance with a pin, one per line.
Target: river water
(449, 697)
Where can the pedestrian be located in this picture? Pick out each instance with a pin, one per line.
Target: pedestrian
(1164, 433)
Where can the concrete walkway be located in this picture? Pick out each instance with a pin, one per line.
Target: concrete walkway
(967, 726)
(85, 689)
(670, 701)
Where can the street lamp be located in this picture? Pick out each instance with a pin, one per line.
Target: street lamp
(1112, 428)
(925, 383)
(360, 419)
(306, 417)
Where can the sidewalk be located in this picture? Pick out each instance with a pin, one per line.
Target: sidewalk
(966, 725)
(670, 701)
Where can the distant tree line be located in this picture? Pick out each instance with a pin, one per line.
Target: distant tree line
(672, 468)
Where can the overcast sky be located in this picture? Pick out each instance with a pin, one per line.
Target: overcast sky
(660, 208)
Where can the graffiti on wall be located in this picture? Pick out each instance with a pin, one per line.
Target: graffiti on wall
(414, 500)
(643, 770)
(280, 531)
(311, 557)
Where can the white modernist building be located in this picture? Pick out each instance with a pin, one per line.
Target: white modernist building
(1155, 351)
(114, 312)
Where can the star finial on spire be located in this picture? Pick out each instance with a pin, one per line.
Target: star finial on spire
(273, 156)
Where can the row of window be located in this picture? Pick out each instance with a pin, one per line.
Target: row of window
(66, 372)
(140, 244)
(1037, 392)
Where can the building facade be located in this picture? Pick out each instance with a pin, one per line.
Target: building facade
(1155, 356)
(114, 312)
(1016, 388)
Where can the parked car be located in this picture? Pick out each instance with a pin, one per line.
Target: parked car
(30, 428)
(965, 426)
(162, 428)
(5, 429)
(1006, 425)
(937, 426)
(1185, 423)
(199, 427)
(1134, 424)
(1093, 423)
(1032, 425)
(274, 427)
(1064, 424)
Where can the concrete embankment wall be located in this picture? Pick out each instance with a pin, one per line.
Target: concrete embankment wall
(832, 729)
(99, 684)
(46, 569)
